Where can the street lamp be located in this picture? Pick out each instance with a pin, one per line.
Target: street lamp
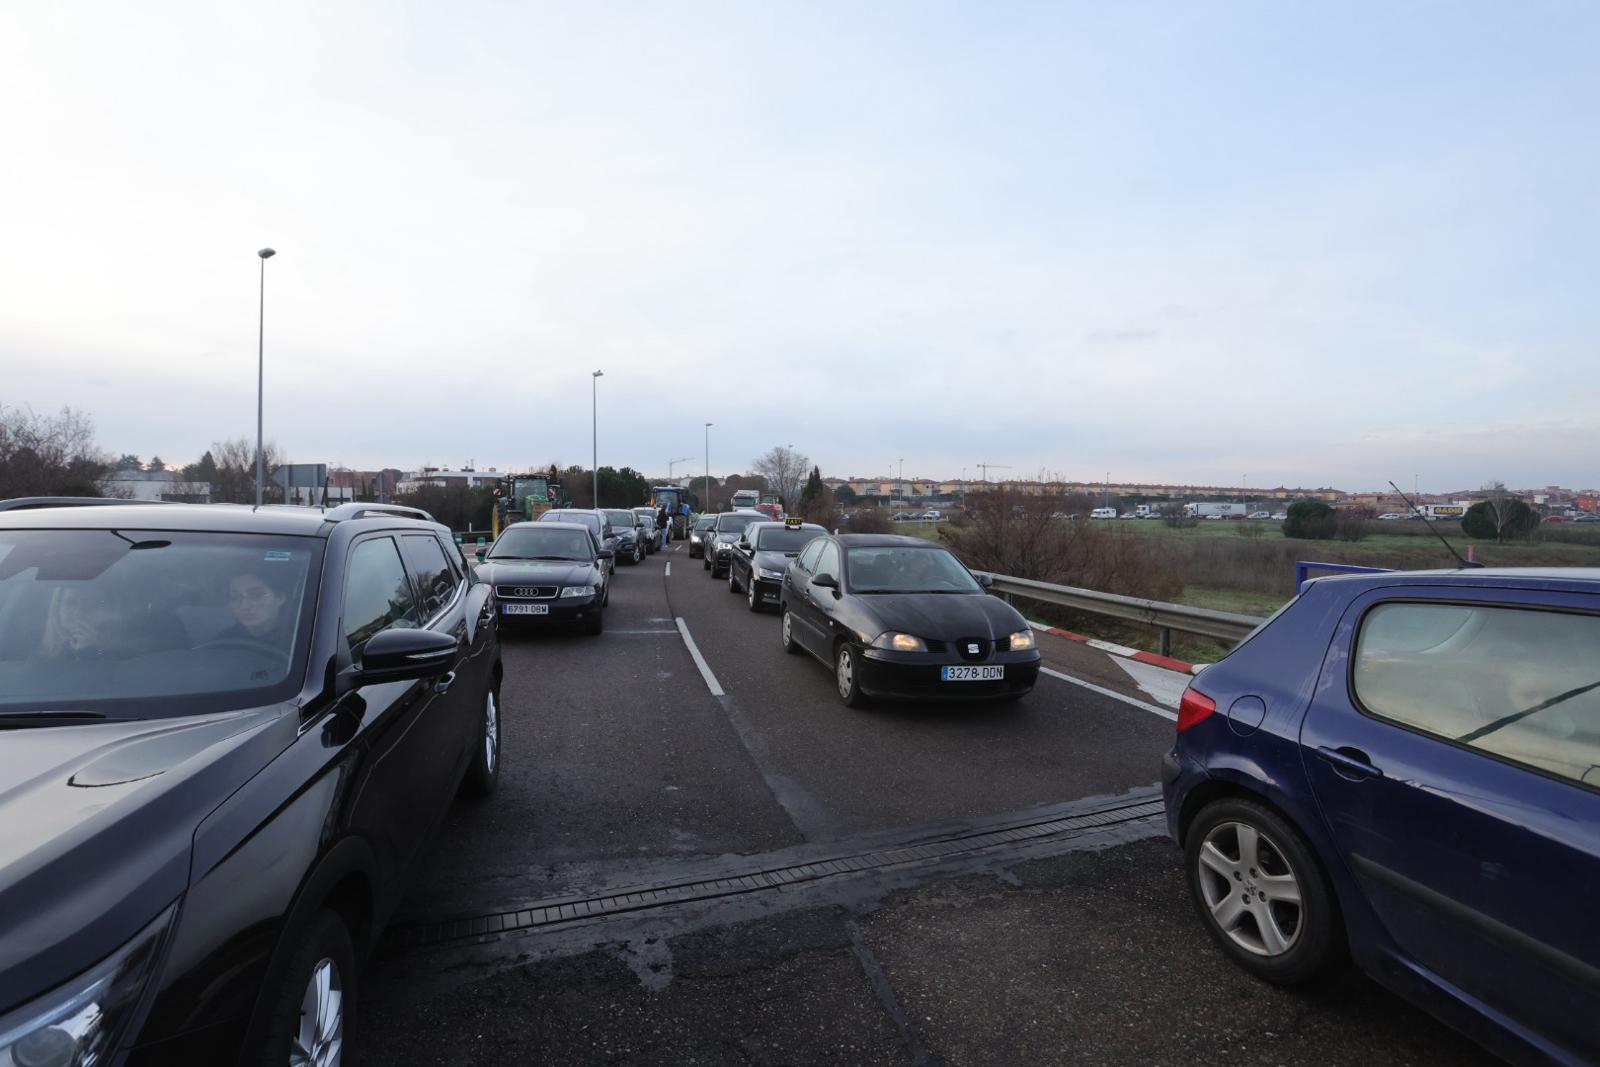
(261, 348)
(594, 423)
(705, 505)
(901, 479)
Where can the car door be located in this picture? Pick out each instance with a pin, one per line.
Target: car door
(815, 604)
(402, 795)
(794, 583)
(453, 719)
(1454, 749)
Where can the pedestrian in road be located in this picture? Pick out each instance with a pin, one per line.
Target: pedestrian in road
(665, 522)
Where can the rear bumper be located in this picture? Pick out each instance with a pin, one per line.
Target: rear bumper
(915, 676)
(1178, 776)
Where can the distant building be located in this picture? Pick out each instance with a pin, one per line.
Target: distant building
(444, 476)
(132, 484)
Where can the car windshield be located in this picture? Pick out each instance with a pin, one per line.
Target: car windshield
(586, 518)
(705, 523)
(736, 523)
(907, 570)
(784, 540)
(623, 519)
(551, 542)
(140, 624)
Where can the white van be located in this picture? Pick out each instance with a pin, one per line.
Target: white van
(1103, 513)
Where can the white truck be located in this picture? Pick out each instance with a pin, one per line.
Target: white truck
(1215, 511)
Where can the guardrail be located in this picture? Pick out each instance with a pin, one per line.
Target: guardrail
(1223, 625)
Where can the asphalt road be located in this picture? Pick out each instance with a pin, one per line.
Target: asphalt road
(623, 769)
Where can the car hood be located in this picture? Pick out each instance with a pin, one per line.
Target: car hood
(96, 824)
(774, 561)
(536, 572)
(944, 616)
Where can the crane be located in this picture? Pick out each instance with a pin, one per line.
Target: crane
(986, 467)
(674, 462)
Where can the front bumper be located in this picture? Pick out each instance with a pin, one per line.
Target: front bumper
(563, 611)
(767, 589)
(915, 675)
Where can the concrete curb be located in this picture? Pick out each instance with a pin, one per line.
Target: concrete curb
(1166, 662)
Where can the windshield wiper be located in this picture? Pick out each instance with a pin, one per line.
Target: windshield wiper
(14, 720)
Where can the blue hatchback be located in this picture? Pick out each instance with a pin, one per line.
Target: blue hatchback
(1405, 767)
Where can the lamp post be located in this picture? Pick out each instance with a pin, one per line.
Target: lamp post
(594, 424)
(705, 505)
(261, 348)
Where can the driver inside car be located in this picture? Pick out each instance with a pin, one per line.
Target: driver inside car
(259, 606)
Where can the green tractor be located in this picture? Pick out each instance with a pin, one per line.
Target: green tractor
(523, 498)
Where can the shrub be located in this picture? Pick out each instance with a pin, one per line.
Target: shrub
(1311, 520)
(1177, 518)
(868, 520)
(1504, 520)
(1351, 525)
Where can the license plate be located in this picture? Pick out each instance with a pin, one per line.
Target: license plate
(972, 674)
(525, 609)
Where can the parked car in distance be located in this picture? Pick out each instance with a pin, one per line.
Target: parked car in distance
(645, 523)
(699, 534)
(1280, 516)
(625, 524)
(605, 536)
(548, 574)
(1103, 513)
(760, 557)
(1260, 515)
(1407, 765)
(902, 617)
(229, 735)
(729, 526)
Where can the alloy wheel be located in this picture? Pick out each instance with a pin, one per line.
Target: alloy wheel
(751, 596)
(1251, 891)
(491, 732)
(319, 1039)
(844, 673)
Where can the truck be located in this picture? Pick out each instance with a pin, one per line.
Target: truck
(745, 499)
(522, 498)
(1216, 511)
(1443, 511)
(676, 500)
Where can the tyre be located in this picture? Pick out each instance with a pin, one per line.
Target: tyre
(483, 774)
(1261, 893)
(752, 596)
(786, 632)
(313, 1005)
(733, 581)
(847, 676)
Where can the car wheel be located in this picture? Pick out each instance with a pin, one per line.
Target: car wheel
(484, 772)
(638, 554)
(733, 581)
(752, 596)
(314, 1004)
(847, 676)
(786, 632)
(1260, 892)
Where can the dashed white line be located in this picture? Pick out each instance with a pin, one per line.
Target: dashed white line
(1102, 690)
(700, 661)
(669, 568)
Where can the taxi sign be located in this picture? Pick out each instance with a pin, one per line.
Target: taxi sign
(793, 521)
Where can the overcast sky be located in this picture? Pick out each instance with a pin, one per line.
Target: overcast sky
(1188, 241)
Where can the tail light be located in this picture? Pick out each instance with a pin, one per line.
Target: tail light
(1194, 707)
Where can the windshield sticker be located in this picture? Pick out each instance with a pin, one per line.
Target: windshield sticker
(277, 555)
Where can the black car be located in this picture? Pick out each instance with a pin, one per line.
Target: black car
(699, 534)
(761, 556)
(630, 546)
(228, 735)
(598, 524)
(902, 617)
(720, 538)
(644, 520)
(548, 573)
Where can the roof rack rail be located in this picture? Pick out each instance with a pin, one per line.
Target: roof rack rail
(25, 503)
(342, 512)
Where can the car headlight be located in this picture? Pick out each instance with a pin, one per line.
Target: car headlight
(83, 1022)
(694, 539)
(1022, 640)
(898, 642)
(767, 572)
(576, 590)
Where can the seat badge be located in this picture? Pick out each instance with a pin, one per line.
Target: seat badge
(972, 650)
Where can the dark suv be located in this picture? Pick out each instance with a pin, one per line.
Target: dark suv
(228, 735)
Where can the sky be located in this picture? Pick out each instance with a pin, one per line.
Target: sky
(1284, 244)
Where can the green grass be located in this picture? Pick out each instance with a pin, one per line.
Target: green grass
(1241, 601)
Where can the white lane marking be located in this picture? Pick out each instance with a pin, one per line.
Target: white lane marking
(1107, 646)
(636, 632)
(1112, 693)
(700, 661)
(669, 568)
(1164, 686)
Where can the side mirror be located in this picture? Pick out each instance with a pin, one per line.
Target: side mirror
(985, 580)
(401, 655)
(605, 553)
(825, 581)
(480, 553)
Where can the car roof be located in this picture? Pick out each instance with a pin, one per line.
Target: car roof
(1575, 579)
(555, 524)
(786, 526)
(885, 541)
(283, 519)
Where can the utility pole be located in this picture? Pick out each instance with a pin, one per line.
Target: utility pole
(705, 505)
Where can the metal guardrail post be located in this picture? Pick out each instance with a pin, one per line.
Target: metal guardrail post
(1166, 640)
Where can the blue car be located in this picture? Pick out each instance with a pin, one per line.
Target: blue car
(1405, 768)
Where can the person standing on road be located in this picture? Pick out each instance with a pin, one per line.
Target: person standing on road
(664, 521)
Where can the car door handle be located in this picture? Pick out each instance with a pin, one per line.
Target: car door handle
(444, 683)
(1350, 762)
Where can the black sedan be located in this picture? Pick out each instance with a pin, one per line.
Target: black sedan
(548, 573)
(699, 534)
(227, 736)
(720, 538)
(902, 617)
(760, 558)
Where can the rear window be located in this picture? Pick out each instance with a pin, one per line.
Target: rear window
(735, 523)
(785, 540)
(1522, 684)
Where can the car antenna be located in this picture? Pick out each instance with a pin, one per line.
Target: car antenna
(1421, 515)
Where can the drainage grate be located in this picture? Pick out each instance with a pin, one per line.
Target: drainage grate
(641, 898)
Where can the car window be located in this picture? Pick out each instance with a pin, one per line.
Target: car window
(808, 559)
(1522, 684)
(734, 523)
(377, 592)
(784, 539)
(892, 569)
(705, 522)
(828, 562)
(533, 541)
(430, 570)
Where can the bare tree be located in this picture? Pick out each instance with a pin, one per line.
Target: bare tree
(234, 481)
(785, 471)
(49, 455)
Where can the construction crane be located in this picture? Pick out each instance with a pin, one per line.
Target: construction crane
(674, 462)
(987, 467)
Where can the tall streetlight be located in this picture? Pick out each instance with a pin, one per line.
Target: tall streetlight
(705, 505)
(261, 349)
(901, 478)
(594, 423)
